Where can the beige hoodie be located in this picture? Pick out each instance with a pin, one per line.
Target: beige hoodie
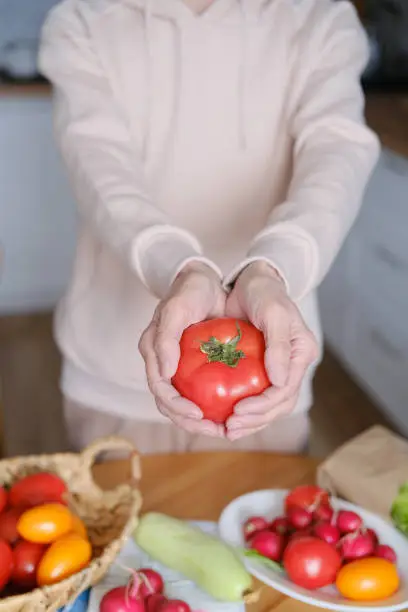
(228, 136)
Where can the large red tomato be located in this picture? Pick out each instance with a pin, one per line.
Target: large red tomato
(221, 362)
(311, 563)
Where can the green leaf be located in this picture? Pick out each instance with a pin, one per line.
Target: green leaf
(399, 510)
(256, 556)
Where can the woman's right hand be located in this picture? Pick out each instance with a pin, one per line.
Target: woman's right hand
(195, 295)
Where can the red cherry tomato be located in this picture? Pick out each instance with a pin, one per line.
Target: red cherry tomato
(221, 363)
(306, 496)
(6, 563)
(3, 498)
(26, 558)
(8, 525)
(311, 563)
(37, 489)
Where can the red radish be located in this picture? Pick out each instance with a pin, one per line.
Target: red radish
(327, 532)
(386, 552)
(301, 533)
(269, 544)
(356, 546)
(253, 525)
(151, 582)
(280, 525)
(373, 536)
(124, 598)
(323, 512)
(299, 518)
(306, 496)
(348, 521)
(174, 605)
(154, 602)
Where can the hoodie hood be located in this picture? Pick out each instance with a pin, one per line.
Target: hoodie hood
(242, 12)
(216, 11)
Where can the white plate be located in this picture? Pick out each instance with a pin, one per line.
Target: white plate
(270, 504)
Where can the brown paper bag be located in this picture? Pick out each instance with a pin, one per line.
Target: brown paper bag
(368, 470)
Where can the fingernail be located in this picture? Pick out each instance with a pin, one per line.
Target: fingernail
(195, 414)
(235, 435)
(209, 432)
(235, 425)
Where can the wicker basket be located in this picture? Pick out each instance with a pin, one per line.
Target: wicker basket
(110, 517)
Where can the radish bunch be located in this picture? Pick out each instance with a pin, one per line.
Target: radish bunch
(143, 593)
(310, 514)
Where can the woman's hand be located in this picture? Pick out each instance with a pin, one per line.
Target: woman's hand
(259, 295)
(195, 295)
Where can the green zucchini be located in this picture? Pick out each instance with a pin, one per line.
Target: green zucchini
(213, 565)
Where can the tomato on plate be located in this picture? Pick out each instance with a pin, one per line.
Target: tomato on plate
(8, 525)
(26, 557)
(306, 496)
(45, 524)
(65, 557)
(3, 498)
(6, 563)
(311, 563)
(370, 579)
(40, 488)
(221, 363)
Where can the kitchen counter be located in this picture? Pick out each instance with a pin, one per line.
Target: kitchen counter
(34, 90)
(387, 114)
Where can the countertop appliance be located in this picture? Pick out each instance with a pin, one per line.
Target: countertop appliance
(386, 22)
(20, 28)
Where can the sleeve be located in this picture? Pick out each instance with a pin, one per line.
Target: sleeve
(334, 154)
(103, 163)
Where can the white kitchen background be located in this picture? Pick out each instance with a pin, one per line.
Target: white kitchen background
(364, 300)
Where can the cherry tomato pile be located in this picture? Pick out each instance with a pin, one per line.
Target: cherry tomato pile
(143, 593)
(41, 541)
(318, 547)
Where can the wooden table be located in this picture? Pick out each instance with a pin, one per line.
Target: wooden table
(198, 486)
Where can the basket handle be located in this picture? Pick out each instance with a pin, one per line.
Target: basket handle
(112, 443)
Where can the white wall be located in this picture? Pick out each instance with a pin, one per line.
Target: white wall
(37, 211)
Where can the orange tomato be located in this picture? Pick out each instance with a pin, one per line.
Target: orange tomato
(65, 557)
(370, 579)
(78, 527)
(45, 524)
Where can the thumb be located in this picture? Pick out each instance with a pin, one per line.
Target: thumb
(170, 326)
(277, 350)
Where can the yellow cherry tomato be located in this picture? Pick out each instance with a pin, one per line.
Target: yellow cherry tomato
(370, 579)
(45, 524)
(65, 557)
(78, 527)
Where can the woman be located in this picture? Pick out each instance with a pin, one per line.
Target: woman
(219, 156)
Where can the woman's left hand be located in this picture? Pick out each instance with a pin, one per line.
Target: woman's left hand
(260, 296)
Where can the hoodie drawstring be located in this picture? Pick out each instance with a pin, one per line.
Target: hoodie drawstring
(148, 17)
(242, 76)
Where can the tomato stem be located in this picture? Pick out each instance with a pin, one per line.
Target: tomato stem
(224, 352)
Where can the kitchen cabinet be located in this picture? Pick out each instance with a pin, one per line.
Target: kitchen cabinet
(364, 299)
(37, 211)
